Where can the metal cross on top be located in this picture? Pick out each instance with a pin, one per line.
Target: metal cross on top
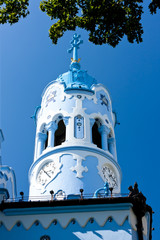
(75, 46)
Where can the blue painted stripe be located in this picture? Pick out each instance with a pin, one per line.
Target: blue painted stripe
(68, 209)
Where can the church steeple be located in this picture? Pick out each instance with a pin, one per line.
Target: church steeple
(75, 142)
(75, 46)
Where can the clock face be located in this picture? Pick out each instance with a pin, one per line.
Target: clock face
(46, 173)
(109, 176)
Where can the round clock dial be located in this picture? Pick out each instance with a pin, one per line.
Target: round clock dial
(46, 173)
(109, 176)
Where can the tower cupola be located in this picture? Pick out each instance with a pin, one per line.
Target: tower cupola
(76, 78)
(75, 144)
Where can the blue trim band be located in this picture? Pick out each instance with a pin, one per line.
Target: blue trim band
(68, 209)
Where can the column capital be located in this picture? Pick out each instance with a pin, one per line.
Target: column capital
(42, 136)
(66, 120)
(92, 121)
(104, 129)
(51, 125)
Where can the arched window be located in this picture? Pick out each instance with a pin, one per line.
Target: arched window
(96, 136)
(46, 141)
(60, 133)
(109, 137)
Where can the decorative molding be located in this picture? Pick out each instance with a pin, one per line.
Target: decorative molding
(104, 101)
(51, 125)
(64, 215)
(79, 168)
(10, 174)
(36, 114)
(50, 98)
(66, 120)
(79, 126)
(67, 149)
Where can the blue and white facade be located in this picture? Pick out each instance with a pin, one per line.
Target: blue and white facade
(75, 145)
(75, 179)
(93, 222)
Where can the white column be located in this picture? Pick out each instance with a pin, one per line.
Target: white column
(104, 131)
(51, 128)
(66, 123)
(112, 147)
(41, 141)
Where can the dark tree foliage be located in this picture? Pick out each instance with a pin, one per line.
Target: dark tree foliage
(154, 5)
(12, 10)
(107, 21)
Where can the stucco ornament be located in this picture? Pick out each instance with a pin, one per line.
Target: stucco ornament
(79, 168)
(7, 176)
(104, 101)
(51, 97)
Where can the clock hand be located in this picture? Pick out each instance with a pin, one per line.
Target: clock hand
(46, 173)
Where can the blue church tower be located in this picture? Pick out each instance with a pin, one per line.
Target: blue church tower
(75, 141)
(75, 179)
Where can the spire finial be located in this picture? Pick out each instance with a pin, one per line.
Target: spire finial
(75, 46)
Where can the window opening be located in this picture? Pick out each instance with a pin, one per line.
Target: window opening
(109, 144)
(46, 142)
(60, 134)
(96, 136)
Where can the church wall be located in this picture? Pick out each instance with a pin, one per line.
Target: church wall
(110, 231)
(83, 168)
(79, 110)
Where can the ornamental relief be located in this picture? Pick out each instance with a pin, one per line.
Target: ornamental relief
(50, 98)
(104, 101)
(79, 168)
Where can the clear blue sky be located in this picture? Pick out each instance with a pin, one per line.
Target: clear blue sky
(131, 72)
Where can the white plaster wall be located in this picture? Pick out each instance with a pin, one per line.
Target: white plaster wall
(71, 175)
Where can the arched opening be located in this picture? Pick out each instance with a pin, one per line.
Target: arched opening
(96, 136)
(60, 134)
(46, 142)
(108, 141)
